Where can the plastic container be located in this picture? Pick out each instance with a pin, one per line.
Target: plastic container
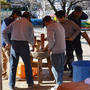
(81, 70)
(21, 71)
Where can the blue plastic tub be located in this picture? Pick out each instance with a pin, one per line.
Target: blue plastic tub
(37, 22)
(81, 70)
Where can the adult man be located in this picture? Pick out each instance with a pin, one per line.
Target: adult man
(77, 15)
(5, 49)
(21, 34)
(56, 44)
(71, 32)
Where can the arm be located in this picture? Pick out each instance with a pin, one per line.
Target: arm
(31, 34)
(46, 48)
(76, 29)
(84, 16)
(51, 39)
(5, 34)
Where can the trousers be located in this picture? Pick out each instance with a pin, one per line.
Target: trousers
(20, 49)
(58, 67)
(5, 58)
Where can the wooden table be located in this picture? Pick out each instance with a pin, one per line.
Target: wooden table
(39, 64)
(74, 86)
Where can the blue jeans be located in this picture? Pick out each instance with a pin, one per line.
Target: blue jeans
(20, 48)
(58, 67)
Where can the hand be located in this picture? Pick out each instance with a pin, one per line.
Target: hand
(45, 49)
(8, 45)
(70, 39)
(80, 14)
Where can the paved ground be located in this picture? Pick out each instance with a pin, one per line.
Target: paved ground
(47, 81)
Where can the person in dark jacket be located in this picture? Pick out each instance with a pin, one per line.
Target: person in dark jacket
(5, 49)
(77, 16)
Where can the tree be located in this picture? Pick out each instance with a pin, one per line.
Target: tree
(66, 5)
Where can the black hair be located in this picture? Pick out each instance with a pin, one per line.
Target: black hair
(47, 19)
(26, 14)
(17, 12)
(60, 14)
(78, 8)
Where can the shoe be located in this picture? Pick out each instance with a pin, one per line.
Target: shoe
(55, 88)
(11, 88)
(4, 77)
(65, 68)
(30, 87)
(71, 75)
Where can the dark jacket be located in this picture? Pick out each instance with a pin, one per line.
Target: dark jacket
(7, 21)
(84, 16)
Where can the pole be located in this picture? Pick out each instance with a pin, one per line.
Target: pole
(0, 54)
(85, 35)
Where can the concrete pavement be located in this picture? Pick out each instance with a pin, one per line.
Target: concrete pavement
(47, 81)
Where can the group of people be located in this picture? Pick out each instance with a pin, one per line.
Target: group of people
(63, 38)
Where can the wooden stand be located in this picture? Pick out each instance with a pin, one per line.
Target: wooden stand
(40, 64)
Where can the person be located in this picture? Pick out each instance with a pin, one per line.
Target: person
(77, 16)
(57, 46)
(71, 32)
(27, 15)
(5, 49)
(21, 35)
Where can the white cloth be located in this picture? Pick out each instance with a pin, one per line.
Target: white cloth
(87, 81)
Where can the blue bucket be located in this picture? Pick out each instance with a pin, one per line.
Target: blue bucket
(81, 70)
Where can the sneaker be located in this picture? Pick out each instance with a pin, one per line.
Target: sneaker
(52, 88)
(11, 88)
(65, 68)
(4, 77)
(71, 75)
(30, 87)
(55, 88)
